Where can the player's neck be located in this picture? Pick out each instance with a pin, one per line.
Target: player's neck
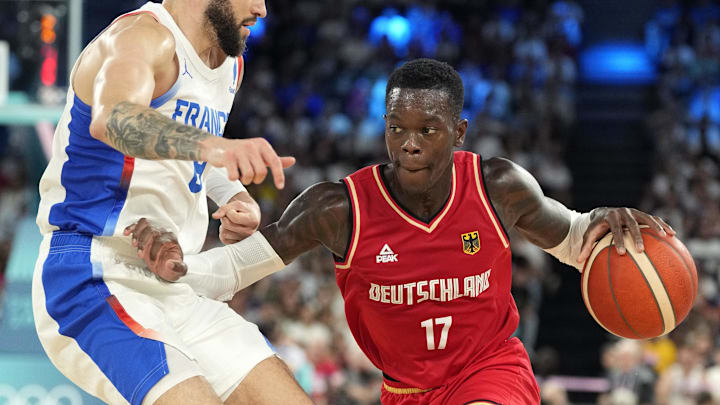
(423, 205)
(192, 25)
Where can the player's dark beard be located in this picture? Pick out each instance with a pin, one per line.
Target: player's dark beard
(222, 20)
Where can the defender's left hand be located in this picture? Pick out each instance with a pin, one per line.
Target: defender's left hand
(616, 220)
(158, 248)
(238, 220)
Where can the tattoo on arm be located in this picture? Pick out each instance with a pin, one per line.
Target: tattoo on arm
(141, 132)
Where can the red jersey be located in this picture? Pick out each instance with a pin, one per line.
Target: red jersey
(427, 301)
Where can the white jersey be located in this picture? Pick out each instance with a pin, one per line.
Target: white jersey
(91, 188)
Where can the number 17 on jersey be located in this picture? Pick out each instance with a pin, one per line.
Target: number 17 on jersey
(429, 325)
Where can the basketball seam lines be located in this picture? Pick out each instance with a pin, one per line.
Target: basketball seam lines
(682, 259)
(652, 291)
(585, 280)
(672, 305)
(612, 291)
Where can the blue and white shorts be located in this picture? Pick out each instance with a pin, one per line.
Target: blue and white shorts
(124, 335)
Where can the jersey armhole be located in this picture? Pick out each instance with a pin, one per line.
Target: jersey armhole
(153, 15)
(494, 217)
(71, 75)
(337, 258)
(354, 221)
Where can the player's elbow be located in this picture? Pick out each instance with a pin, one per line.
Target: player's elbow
(101, 117)
(98, 129)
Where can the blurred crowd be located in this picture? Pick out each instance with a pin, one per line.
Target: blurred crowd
(17, 196)
(682, 368)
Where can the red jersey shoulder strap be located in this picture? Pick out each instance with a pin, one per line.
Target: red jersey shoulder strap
(353, 183)
(484, 199)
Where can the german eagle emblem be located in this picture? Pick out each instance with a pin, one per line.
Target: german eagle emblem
(471, 242)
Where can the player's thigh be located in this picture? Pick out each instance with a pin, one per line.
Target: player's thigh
(193, 391)
(226, 346)
(506, 378)
(183, 383)
(497, 386)
(270, 382)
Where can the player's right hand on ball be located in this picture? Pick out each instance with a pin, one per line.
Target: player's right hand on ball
(159, 249)
(248, 159)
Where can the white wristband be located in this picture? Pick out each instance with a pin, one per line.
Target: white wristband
(221, 272)
(219, 188)
(569, 249)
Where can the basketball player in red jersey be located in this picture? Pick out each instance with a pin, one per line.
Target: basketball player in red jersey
(422, 254)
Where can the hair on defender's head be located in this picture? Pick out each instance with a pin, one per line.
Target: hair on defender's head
(429, 74)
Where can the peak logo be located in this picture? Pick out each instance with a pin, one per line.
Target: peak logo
(386, 255)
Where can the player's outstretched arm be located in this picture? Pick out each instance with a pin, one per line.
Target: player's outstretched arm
(131, 54)
(550, 225)
(320, 215)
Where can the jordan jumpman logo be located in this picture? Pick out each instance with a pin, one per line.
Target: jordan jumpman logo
(186, 72)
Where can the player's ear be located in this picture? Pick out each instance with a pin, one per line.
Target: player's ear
(460, 131)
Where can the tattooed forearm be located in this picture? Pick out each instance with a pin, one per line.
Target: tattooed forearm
(141, 132)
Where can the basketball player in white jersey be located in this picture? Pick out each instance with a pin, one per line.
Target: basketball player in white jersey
(141, 136)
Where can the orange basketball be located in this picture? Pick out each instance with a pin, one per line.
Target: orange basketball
(639, 295)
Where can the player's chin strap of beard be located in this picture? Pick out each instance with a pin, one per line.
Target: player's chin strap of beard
(569, 249)
(221, 272)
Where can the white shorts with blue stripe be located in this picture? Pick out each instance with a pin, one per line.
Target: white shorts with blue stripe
(125, 336)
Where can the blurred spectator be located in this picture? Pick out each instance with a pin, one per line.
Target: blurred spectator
(626, 371)
(552, 393)
(660, 353)
(682, 381)
(619, 396)
(705, 398)
(16, 199)
(712, 376)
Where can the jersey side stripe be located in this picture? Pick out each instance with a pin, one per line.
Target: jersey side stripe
(91, 177)
(120, 196)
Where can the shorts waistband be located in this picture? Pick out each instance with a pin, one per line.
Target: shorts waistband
(62, 240)
(396, 387)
